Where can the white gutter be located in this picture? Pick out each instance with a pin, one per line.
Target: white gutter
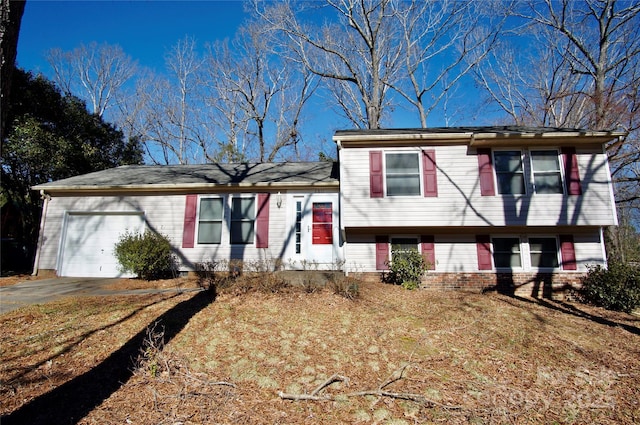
(45, 206)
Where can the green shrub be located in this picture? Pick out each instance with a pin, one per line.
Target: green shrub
(406, 269)
(615, 288)
(148, 255)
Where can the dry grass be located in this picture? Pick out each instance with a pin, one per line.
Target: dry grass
(466, 358)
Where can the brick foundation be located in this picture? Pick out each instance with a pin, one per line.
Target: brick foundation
(557, 285)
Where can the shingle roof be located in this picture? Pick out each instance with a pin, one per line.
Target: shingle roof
(502, 130)
(207, 175)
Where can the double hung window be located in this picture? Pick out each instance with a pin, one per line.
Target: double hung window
(507, 252)
(243, 215)
(509, 172)
(403, 246)
(210, 220)
(543, 252)
(403, 174)
(545, 166)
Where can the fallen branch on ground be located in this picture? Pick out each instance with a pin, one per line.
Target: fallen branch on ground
(379, 392)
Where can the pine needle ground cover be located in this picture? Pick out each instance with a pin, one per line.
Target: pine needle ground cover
(390, 356)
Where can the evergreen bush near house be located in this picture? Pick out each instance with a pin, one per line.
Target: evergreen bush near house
(406, 269)
(148, 255)
(615, 288)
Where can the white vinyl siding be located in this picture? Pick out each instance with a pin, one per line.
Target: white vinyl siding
(459, 202)
(165, 214)
(458, 252)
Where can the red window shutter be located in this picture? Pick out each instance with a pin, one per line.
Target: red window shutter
(428, 251)
(430, 173)
(376, 174)
(568, 253)
(262, 221)
(189, 230)
(485, 167)
(382, 252)
(571, 172)
(483, 243)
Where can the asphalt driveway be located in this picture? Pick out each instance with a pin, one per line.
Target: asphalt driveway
(46, 290)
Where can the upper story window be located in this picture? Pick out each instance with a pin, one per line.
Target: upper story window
(545, 166)
(243, 215)
(402, 174)
(210, 220)
(509, 172)
(507, 252)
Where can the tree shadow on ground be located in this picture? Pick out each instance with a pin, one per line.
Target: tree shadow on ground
(542, 283)
(72, 401)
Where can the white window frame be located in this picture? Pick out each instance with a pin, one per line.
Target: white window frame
(495, 171)
(521, 252)
(222, 219)
(530, 252)
(560, 171)
(253, 221)
(420, 173)
(415, 237)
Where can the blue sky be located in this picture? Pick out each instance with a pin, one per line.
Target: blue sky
(144, 29)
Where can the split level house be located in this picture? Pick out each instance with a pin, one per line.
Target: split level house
(512, 208)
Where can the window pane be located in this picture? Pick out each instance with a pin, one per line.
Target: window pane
(508, 161)
(548, 183)
(403, 185)
(211, 209)
(243, 209)
(209, 232)
(505, 260)
(506, 252)
(510, 184)
(242, 232)
(545, 161)
(402, 163)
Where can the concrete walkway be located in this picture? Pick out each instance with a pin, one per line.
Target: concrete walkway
(46, 290)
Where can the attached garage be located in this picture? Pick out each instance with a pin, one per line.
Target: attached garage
(88, 242)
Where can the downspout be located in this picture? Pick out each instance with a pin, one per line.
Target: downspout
(45, 205)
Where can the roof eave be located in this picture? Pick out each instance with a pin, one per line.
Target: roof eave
(182, 188)
(486, 139)
(545, 139)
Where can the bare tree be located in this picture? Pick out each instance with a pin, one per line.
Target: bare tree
(442, 42)
(165, 111)
(583, 73)
(359, 55)
(257, 96)
(94, 72)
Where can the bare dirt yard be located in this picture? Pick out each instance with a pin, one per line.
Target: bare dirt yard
(391, 356)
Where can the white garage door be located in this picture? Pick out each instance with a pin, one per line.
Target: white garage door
(89, 239)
